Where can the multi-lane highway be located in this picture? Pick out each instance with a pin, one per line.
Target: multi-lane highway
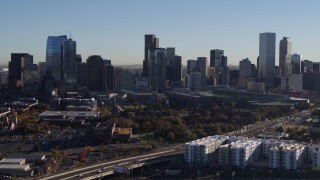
(98, 169)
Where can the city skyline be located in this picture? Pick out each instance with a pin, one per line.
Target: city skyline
(119, 26)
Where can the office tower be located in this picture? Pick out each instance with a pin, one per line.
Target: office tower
(29, 79)
(78, 58)
(196, 80)
(285, 56)
(219, 62)
(306, 66)
(18, 60)
(245, 68)
(215, 57)
(245, 73)
(54, 55)
(316, 66)
(150, 43)
(295, 61)
(174, 69)
(100, 74)
(42, 69)
(202, 65)
(157, 68)
(257, 68)
(107, 75)
(95, 73)
(191, 66)
(70, 61)
(82, 74)
(234, 77)
(267, 49)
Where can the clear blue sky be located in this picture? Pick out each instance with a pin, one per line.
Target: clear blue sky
(115, 28)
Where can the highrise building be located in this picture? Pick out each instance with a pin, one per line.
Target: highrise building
(95, 73)
(107, 75)
(219, 62)
(191, 66)
(157, 67)
(70, 61)
(245, 73)
(202, 65)
(82, 74)
(42, 69)
(245, 68)
(295, 61)
(174, 69)
(78, 58)
(306, 66)
(267, 49)
(151, 42)
(215, 57)
(54, 55)
(18, 60)
(100, 74)
(285, 56)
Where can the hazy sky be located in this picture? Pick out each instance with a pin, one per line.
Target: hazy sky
(115, 29)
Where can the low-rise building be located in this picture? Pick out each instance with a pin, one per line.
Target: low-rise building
(15, 167)
(287, 156)
(202, 151)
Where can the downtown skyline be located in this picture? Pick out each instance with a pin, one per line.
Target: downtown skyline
(116, 28)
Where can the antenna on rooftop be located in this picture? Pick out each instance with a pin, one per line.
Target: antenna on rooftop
(70, 35)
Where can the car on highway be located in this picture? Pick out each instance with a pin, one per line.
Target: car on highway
(99, 171)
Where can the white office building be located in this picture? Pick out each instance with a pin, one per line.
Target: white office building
(202, 151)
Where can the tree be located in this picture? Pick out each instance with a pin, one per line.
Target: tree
(171, 136)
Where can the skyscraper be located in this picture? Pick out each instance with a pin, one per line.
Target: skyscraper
(219, 62)
(191, 66)
(70, 61)
(215, 57)
(18, 60)
(95, 73)
(202, 65)
(54, 55)
(150, 43)
(295, 61)
(174, 69)
(285, 56)
(157, 67)
(82, 74)
(267, 49)
(107, 75)
(245, 68)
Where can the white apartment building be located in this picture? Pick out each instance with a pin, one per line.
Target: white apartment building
(287, 156)
(267, 144)
(202, 151)
(310, 149)
(240, 153)
(316, 157)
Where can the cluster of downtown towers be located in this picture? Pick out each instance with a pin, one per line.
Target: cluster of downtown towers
(160, 66)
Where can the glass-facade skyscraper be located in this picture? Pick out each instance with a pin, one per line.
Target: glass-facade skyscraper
(157, 68)
(54, 55)
(267, 55)
(70, 61)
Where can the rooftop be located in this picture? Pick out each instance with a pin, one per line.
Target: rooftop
(122, 131)
(23, 167)
(70, 113)
(11, 160)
